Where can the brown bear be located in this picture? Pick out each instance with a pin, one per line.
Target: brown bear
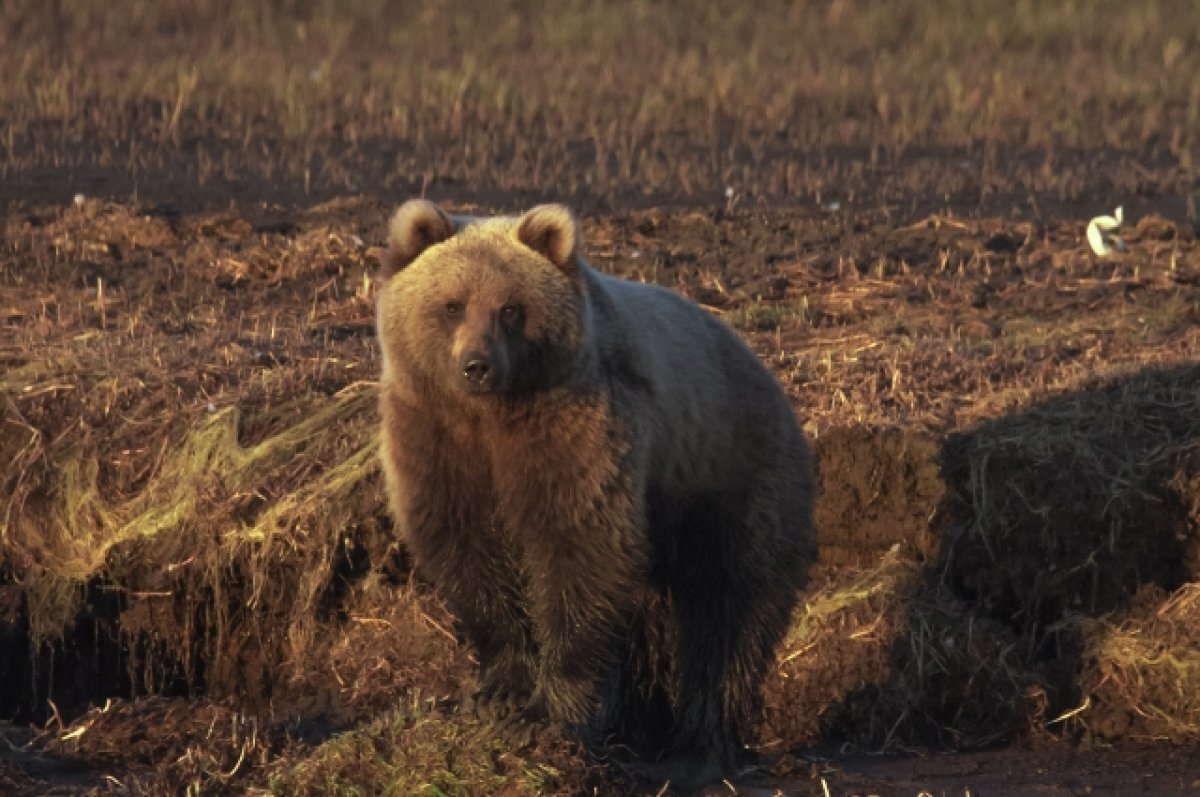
(564, 451)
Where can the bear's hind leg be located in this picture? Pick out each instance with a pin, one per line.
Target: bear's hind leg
(733, 596)
(638, 700)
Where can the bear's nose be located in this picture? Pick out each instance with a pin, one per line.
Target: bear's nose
(477, 371)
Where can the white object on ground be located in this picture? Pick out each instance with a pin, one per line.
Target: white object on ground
(1101, 233)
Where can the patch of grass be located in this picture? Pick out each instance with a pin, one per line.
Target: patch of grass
(208, 476)
(1141, 673)
(763, 316)
(412, 751)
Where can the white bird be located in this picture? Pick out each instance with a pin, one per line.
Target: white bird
(1101, 233)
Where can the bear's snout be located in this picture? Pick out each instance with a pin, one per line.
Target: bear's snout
(480, 372)
(483, 371)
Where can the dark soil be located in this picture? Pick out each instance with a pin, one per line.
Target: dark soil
(1054, 771)
(188, 395)
(879, 488)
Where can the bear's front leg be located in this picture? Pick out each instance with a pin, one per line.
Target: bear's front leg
(580, 529)
(442, 501)
(582, 592)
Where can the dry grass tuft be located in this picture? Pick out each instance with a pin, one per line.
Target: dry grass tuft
(416, 749)
(1141, 671)
(225, 545)
(839, 642)
(211, 748)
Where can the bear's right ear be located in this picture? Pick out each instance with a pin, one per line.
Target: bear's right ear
(416, 226)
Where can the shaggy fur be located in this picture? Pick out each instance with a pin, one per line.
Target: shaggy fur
(605, 485)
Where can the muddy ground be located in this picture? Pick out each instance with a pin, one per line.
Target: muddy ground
(201, 587)
(200, 590)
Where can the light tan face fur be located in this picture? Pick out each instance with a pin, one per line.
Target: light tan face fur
(482, 290)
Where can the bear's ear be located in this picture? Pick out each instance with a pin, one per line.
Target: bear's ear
(416, 226)
(552, 232)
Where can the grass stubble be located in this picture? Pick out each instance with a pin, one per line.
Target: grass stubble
(909, 107)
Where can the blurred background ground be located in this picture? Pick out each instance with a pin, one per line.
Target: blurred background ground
(199, 589)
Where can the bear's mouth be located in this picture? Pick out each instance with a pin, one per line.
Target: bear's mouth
(481, 389)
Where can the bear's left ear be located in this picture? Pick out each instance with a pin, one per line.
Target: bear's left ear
(552, 232)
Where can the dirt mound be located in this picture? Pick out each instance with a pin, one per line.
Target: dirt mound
(1185, 485)
(1067, 509)
(220, 566)
(955, 681)
(882, 659)
(878, 487)
(194, 484)
(1065, 506)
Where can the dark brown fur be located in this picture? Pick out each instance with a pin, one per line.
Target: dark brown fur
(564, 452)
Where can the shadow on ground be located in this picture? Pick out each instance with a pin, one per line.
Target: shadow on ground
(1060, 597)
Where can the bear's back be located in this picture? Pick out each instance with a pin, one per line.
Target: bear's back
(710, 398)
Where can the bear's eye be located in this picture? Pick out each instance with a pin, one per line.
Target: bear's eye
(510, 314)
(454, 309)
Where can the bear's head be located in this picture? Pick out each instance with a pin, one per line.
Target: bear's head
(483, 306)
